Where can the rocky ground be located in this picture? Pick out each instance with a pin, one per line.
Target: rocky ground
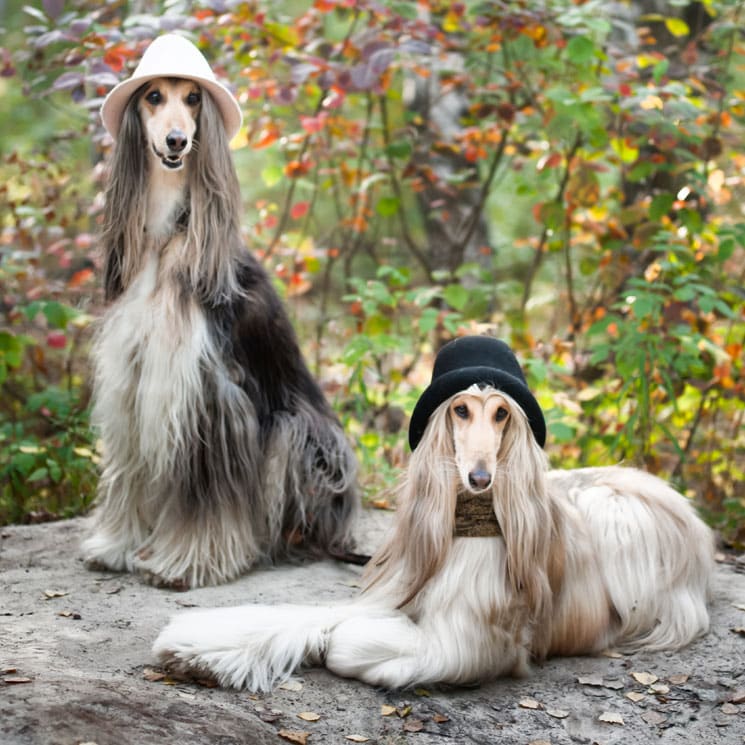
(75, 667)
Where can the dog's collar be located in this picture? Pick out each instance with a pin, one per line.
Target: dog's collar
(474, 516)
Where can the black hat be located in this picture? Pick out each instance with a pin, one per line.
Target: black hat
(481, 360)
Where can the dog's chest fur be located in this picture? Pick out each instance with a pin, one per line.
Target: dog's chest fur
(150, 356)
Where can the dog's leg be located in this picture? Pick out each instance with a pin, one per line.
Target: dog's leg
(118, 528)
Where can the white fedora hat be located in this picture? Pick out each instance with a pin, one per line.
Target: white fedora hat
(171, 56)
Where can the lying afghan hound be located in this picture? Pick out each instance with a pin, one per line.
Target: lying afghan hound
(219, 447)
(494, 561)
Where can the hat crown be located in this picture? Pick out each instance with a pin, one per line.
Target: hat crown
(476, 352)
(172, 55)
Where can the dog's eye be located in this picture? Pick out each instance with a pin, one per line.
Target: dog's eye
(154, 98)
(461, 411)
(193, 99)
(501, 414)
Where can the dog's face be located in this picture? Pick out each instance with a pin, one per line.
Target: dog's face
(478, 419)
(169, 110)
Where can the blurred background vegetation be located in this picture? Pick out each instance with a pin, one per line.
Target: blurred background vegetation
(566, 175)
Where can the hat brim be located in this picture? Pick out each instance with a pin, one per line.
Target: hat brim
(112, 110)
(448, 384)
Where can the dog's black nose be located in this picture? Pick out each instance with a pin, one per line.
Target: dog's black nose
(176, 140)
(479, 479)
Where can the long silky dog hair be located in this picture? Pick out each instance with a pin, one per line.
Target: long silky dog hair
(219, 448)
(578, 561)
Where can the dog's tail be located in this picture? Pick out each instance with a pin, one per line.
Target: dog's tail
(255, 647)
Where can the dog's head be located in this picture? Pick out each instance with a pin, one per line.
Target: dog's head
(169, 112)
(479, 419)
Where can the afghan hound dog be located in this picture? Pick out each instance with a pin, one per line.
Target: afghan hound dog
(494, 561)
(219, 448)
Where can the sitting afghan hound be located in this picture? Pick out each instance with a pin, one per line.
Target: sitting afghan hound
(493, 561)
(219, 448)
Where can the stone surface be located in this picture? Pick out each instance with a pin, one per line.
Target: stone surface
(81, 640)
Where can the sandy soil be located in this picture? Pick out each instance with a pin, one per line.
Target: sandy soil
(75, 667)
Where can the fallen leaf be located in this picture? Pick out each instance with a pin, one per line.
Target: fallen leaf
(635, 696)
(739, 630)
(386, 710)
(299, 738)
(416, 725)
(613, 655)
(440, 718)
(422, 692)
(557, 713)
(291, 685)
(677, 680)
(356, 738)
(404, 711)
(185, 603)
(114, 590)
(70, 614)
(269, 716)
(611, 717)
(653, 717)
(309, 716)
(729, 709)
(659, 688)
(54, 594)
(17, 681)
(738, 697)
(590, 680)
(153, 675)
(646, 679)
(539, 742)
(206, 682)
(9, 670)
(529, 703)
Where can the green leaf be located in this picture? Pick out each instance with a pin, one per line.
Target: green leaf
(580, 50)
(456, 296)
(400, 149)
(38, 475)
(272, 175)
(58, 315)
(661, 205)
(387, 206)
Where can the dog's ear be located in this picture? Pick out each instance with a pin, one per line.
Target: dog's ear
(425, 514)
(124, 213)
(524, 512)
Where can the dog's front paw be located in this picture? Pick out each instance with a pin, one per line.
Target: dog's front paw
(158, 576)
(102, 552)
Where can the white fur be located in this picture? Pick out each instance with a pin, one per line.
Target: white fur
(623, 562)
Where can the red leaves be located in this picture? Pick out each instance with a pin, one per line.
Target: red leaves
(299, 209)
(116, 57)
(56, 340)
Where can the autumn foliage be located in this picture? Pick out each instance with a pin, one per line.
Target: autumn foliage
(565, 179)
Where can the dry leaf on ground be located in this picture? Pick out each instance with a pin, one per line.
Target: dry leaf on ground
(413, 725)
(653, 717)
(659, 688)
(677, 680)
(646, 679)
(590, 680)
(440, 718)
(557, 713)
(635, 696)
(738, 697)
(152, 675)
(611, 717)
(529, 703)
(730, 709)
(309, 716)
(298, 738)
(17, 681)
(291, 685)
(55, 594)
(357, 738)
(386, 710)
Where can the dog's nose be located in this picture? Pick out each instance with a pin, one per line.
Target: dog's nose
(479, 478)
(176, 140)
